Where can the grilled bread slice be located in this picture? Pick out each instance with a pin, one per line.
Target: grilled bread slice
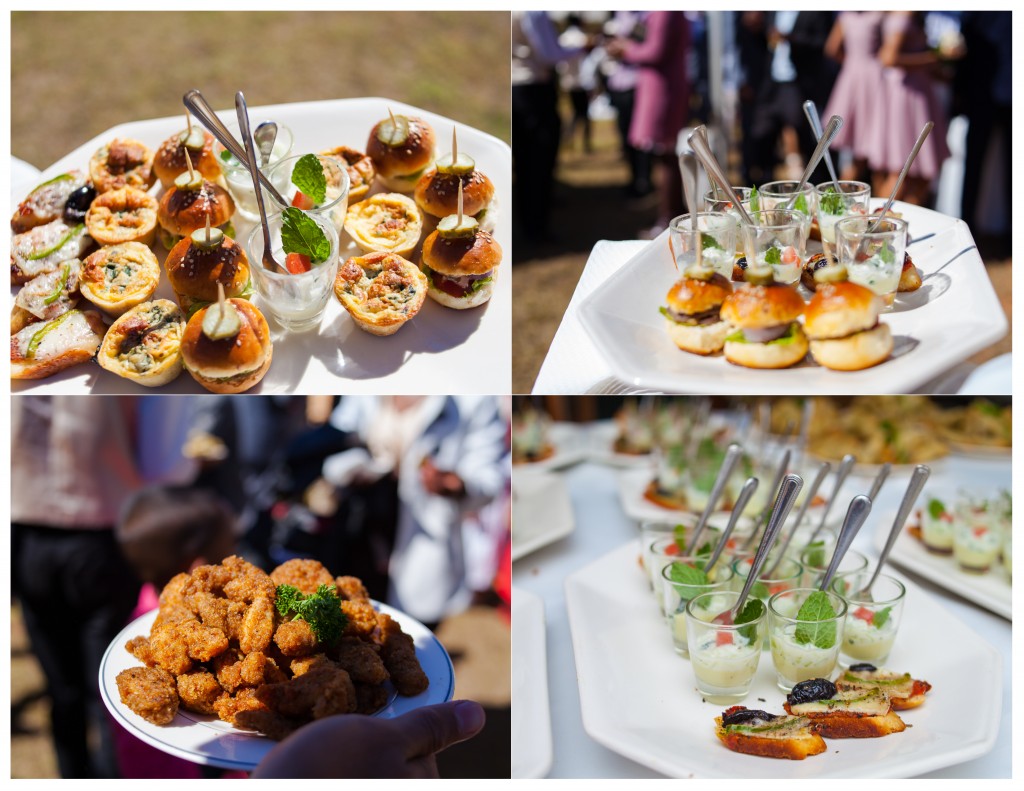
(745, 730)
(904, 692)
(850, 714)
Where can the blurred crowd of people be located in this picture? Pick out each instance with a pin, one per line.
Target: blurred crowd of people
(885, 72)
(113, 496)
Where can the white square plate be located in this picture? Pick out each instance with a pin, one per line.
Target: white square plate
(532, 751)
(541, 512)
(639, 699)
(953, 315)
(440, 351)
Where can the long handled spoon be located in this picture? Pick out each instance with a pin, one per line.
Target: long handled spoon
(835, 123)
(737, 510)
(265, 137)
(858, 511)
(925, 131)
(776, 483)
(819, 476)
(269, 262)
(700, 147)
(917, 482)
(844, 470)
(876, 487)
(688, 170)
(780, 510)
(732, 457)
(811, 111)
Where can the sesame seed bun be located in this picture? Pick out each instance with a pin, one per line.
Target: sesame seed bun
(758, 307)
(182, 211)
(438, 193)
(457, 257)
(698, 339)
(767, 355)
(840, 309)
(230, 365)
(409, 157)
(690, 295)
(194, 271)
(854, 352)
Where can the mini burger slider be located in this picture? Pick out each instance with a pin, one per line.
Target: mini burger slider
(692, 316)
(765, 314)
(204, 261)
(193, 144)
(842, 323)
(226, 346)
(402, 148)
(437, 191)
(190, 204)
(460, 261)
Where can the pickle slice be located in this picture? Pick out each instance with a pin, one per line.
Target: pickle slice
(45, 330)
(393, 134)
(699, 272)
(450, 227)
(193, 138)
(759, 275)
(189, 181)
(199, 238)
(833, 273)
(463, 165)
(220, 324)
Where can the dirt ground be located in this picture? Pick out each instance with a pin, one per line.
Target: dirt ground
(478, 640)
(590, 205)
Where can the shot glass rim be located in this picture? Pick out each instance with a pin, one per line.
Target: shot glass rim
(665, 578)
(899, 223)
(808, 567)
(792, 619)
(257, 232)
(675, 223)
(863, 186)
(889, 577)
(797, 563)
(722, 626)
(233, 127)
(346, 183)
(802, 219)
(711, 192)
(763, 189)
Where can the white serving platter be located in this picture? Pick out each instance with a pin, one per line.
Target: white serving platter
(953, 315)
(532, 751)
(570, 446)
(638, 697)
(440, 351)
(541, 512)
(207, 740)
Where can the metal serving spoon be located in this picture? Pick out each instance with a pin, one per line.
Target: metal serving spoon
(823, 470)
(776, 483)
(858, 511)
(699, 146)
(925, 131)
(835, 123)
(811, 111)
(269, 262)
(737, 511)
(265, 137)
(844, 470)
(732, 457)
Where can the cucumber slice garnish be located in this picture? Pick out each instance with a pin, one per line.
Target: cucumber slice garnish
(450, 228)
(834, 273)
(463, 165)
(759, 275)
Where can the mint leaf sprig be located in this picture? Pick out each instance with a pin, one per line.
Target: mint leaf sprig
(301, 234)
(816, 621)
(752, 611)
(308, 176)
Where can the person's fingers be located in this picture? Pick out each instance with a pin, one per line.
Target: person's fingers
(431, 729)
(425, 768)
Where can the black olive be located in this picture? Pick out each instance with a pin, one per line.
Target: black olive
(741, 262)
(78, 203)
(863, 666)
(747, 715)
(811, 690)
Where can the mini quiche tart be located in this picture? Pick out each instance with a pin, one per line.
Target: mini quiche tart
(44, 348)
(119, 277)
(361, 171)
(144, 345)
(123, 162)
(122, 215)
(381, 291)
(385, 223)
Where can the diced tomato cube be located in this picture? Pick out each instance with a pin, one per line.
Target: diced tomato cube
(979, 531)
(864, 614)
(672, 549)
(302, 201)
(723, 638)
(789, 256)
(297, 263)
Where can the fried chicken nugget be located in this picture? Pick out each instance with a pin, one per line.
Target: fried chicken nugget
(370, 698)
(352, 589)
(204, 642)
(211, 610)
(306, 575)
(199, 691)
(267, 722)
(360, 660)
(318, 693)
(229, 706)
(246, 582)
(257, 627)
(139, 648)
(295, 638)
(362, 619)
(174, 591)
(150, 692)
(168, 650)
(172, 613)
(398, 651)
(306, 663)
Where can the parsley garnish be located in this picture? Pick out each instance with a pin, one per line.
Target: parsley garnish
(308, 176)
(832, 202)
(301, 234)
(321, 610)
(816, 621)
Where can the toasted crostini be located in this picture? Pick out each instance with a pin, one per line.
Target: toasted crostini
(847, 714)
(753, 732)
(904, 692)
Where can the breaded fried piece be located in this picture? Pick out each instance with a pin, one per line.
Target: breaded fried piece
(209, 579)
(199, 691)
(174, 591)
(227, 668)
(149, 692)
(360, 660)
(362, 620)
(295, 638)
(258, 626)
(370, 698)
(168, 650)
(211, 610)
(306, 663)
(319, 693)
(267, 722)
(234, 619)
(306, 575)
(204, 642)
(398, 651)
(235, 671)
(229, 706)
(352, 589)
(139, 648)
(172, 613)
(246, 582)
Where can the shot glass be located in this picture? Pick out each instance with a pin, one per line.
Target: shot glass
(831, 206)
(777, 194)
(335, 204)
(296, 301)
(803, 649)
(649, 533)
(778, 239)
(815, 560)
(937, 523)
(724, 656)
(714, 241)
(237, 177)
(871, 621)
(976, 536)
(666, 549)
(787, 576)
(873, 259)
(717, 201)
(677, 592)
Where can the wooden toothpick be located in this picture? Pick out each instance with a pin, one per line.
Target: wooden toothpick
(455, 148)
(208, 236)
(394, 127)
(188, 121)
(188, 161)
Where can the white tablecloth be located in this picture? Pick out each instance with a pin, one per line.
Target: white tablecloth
(601, 526)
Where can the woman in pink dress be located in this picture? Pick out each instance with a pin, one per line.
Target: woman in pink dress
(662, 101)
(854, 42)
(910, 101)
